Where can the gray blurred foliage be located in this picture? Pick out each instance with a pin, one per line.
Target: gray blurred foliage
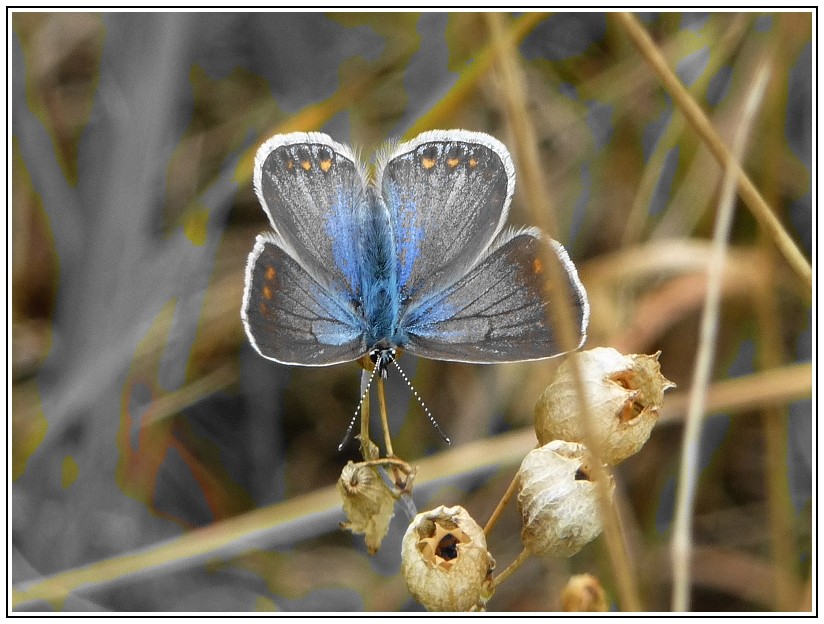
(132, 221)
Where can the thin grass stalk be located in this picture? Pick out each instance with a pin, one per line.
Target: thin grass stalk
(702, 125)
(721, 53)
(781, 513)
(688, 472)
(471, 75)
(513, 94)
(499, 508)
(262, 527)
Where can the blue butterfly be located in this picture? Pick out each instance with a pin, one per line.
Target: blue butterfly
(415, 259)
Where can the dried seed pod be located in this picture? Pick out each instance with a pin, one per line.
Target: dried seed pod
(558, 500)
(368, 503)
(624, 394)
(583, 592)
(445, 561)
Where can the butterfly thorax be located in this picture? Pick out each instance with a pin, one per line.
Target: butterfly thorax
(379, 275)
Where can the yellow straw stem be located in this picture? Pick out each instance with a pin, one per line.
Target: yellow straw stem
(702, 125)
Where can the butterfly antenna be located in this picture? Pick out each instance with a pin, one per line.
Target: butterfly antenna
(348, 433)
(421, 403)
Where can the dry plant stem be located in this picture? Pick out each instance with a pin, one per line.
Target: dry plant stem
(496, 513)
(513, 95)
(623, 571)
(781, 513)
(468, 79)
(365, 413)
(772, 354)
(384, 418)
(399, 467)
(687, 478)
(702, 125)
(769, 388)
(519, 560)
(178, 400)
(720, 54)
(388, 461)
(527, 156)
(259, 528)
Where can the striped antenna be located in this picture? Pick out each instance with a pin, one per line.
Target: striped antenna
(348, 433)
(421, 403)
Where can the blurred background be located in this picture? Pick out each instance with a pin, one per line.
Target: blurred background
(141, 414)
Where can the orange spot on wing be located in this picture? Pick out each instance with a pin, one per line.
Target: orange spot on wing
(452, 162)
(537, 266)
(264, 309)
(427, 162)
(270, 272)
(325, 165)
(290, 164)
(306, 165)
(473, 162)
(267, 292)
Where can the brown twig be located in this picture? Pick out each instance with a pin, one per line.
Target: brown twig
(496, 513)
(702, 125)
(682, 525)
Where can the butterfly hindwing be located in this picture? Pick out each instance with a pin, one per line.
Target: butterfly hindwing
(498, 311)
(291, 318)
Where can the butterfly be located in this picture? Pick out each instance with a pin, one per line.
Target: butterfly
(415, 257)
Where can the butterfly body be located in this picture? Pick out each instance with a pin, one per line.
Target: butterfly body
(379, 278)
(414, 259)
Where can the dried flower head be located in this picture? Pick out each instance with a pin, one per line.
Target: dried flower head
(624, 392)
(445, 561)
(367, 501)
(583, 592)
(558, 500)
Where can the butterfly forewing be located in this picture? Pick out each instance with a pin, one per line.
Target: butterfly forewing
(312, 190)
(448, 193)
